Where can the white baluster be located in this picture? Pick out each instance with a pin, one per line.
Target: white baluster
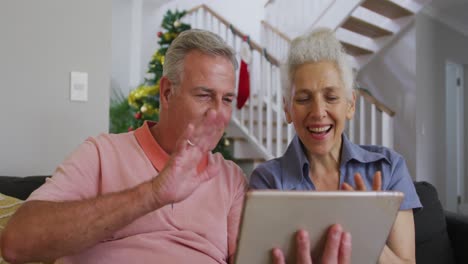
(373, 124)
(269, 110)
(387, 130)
(362, 120)
(254, 82)
(279, 114)
(260, 99)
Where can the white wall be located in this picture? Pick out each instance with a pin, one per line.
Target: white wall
(391, 78)
(42, 42)
(436, 44)
(121, 44)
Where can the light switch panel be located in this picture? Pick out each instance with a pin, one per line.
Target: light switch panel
(79, 86)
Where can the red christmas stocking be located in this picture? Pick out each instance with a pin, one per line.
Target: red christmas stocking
(243, 91)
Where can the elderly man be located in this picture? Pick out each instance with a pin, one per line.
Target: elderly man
(155, 194)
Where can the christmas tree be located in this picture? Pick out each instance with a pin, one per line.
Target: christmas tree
(143, 102)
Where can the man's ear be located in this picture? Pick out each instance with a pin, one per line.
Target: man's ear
(286, 108)
(165, 90)
(351, 106)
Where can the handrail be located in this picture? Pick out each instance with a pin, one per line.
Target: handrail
(373, 100)
(236, 31)
(276, 31)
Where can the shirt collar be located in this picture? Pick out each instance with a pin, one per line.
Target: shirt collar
(352, 151)
(294, 165)
(154, 151)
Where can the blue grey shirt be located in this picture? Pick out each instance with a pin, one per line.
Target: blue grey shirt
(291, 171)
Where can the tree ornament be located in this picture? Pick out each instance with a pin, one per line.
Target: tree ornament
(138, 115)
(160, 34)
(177, 23)
(227, 143)
(130, 129)
(143, 109)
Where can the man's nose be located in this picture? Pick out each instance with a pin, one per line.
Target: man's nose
(223, 109)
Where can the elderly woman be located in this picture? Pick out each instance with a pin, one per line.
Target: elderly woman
(318, 100)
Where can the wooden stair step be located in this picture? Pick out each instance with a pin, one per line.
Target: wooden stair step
(354, 50)
(364, 28)
(386, 8)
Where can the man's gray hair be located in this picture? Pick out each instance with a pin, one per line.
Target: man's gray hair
(194, 39)
(318, 45)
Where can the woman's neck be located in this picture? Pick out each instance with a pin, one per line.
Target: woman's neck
(324, 170)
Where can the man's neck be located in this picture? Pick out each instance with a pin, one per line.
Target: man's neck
(164, 139)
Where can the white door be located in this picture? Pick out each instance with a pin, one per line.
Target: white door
(455, 148)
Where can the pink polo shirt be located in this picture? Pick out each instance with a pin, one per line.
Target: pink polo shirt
(200, 229)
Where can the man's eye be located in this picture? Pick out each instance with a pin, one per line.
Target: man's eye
(228, 99)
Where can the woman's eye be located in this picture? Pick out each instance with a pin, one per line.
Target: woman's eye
(331, 97)
(301, 99)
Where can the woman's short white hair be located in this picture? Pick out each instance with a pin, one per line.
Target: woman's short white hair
(194, 39)
(318, 45)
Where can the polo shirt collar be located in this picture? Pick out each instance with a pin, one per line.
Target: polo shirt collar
(154, 151)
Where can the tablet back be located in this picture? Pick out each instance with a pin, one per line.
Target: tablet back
(271, 218)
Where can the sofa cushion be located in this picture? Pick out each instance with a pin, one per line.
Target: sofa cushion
(432, 241)
(8, 206)
(457, 228)
(20, 187)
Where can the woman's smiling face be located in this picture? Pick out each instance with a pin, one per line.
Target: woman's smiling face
(319, 107)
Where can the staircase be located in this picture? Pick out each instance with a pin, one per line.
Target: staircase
(258, 131)
(364, 27)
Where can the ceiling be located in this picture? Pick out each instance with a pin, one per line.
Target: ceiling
(454, 13)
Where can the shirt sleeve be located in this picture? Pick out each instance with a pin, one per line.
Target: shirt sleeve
(235, 213)
(263, 177)
(75, 179)
(401, 181)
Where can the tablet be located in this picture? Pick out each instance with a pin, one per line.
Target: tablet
(271, 219)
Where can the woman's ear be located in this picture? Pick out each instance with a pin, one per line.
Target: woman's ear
(351, 106)
(286, 108)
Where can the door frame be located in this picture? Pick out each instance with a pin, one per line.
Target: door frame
(454, 137)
